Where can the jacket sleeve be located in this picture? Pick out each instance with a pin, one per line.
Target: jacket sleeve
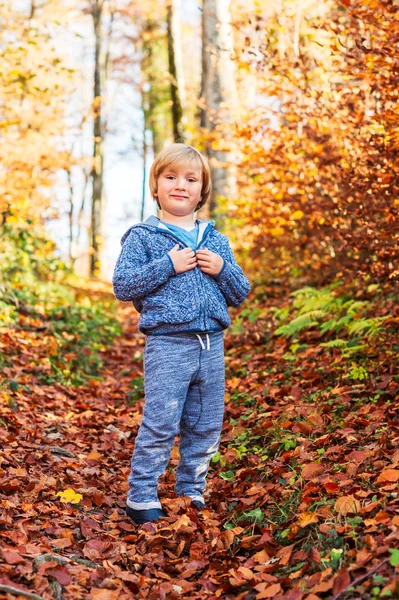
(134, 276)
(231, 279)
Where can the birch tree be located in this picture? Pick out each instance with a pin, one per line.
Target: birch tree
(97, 208)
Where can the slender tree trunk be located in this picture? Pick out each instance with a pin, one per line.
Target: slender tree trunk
(97, 166)
(176, 68)
(144, 159)
(70, 216)
(218, 94)
(157, 97)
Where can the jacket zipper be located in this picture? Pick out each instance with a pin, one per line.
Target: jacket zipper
(206, 233)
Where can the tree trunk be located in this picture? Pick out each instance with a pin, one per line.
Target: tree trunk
(157, 98)
(218, 95)
(97, 208)
(176, 69)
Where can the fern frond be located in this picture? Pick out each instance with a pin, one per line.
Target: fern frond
(369, 327)
(301, 322)
(338, 343)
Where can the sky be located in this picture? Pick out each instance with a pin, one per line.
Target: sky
(123, 170)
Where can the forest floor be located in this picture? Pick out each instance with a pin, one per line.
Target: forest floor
(303, 499)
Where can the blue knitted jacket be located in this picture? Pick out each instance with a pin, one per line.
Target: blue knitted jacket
(168, 302)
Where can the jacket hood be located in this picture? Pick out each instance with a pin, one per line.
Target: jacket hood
(154, 223)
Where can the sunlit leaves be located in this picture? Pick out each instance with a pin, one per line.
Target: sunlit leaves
(70, 495)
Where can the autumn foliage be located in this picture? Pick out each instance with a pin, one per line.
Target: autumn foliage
(302, 497)
(319, 150)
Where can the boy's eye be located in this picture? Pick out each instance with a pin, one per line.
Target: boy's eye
(171, 176)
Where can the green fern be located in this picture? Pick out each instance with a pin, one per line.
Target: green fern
(314, 306)
(355, 306)
(368, 327)
(345, 345)
(338, 343)
(328, 326)
(301, 322)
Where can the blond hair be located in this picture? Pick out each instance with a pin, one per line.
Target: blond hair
(179, 155)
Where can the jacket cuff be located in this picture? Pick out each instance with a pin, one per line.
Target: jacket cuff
(172, 265)
(222, 270)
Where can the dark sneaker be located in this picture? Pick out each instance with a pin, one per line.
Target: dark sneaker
(144, 516)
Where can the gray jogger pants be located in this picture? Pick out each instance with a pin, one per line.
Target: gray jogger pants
(184, 385)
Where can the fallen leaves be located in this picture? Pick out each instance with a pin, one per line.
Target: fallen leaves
(288, 481)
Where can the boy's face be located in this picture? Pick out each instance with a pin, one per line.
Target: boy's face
(179, 190)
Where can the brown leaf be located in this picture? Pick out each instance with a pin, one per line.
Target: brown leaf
(358, 456)
(199, 550)
(61, 574)
(315, 419)
(304, 427)
(341, 581)
(296, 392)
(363, 556)
(12, 558)
(312, 470)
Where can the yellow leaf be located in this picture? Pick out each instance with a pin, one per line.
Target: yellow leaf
(70, 495)
(298, 214)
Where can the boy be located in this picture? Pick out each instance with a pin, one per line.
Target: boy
(181, 276)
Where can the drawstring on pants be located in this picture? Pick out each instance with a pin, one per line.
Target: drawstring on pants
(202, 343)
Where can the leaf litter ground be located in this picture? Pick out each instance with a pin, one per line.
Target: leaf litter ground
(302, 496)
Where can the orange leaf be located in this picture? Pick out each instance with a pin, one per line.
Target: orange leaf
(331, 487)
(262, 556)
(388, 475)
(104, 594)
(270, 592)
(246, 573)
(347, 505)
(94, 455)
(306, 518)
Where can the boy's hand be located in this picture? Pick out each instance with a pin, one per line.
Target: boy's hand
(209, 262)
(183, 260)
